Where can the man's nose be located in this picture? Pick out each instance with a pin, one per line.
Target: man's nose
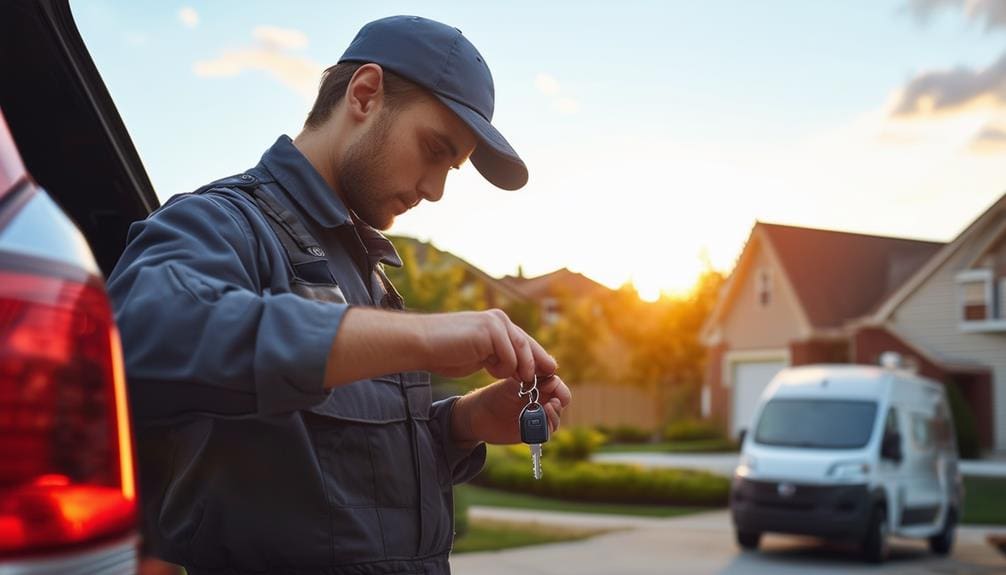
(431, 187)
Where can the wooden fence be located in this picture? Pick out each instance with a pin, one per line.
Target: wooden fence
(610, 405)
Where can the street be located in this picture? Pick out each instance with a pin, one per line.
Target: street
(703, 543)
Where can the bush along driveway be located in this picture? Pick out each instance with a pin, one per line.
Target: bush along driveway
(507, 469)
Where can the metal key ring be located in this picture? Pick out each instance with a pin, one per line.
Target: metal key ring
(533, 389)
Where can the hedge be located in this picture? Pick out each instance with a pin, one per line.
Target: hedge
(692, 430)
(510, 469)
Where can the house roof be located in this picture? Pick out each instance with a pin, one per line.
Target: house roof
(887, 307)
(422, 253)
(559, 282)
(839, 276)
(835, 276)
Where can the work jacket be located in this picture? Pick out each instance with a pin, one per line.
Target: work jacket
(228, 300)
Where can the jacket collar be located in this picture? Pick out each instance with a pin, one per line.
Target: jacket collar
(316, 199)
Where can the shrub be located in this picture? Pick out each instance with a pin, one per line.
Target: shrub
(692, 430)
(576, 444)
(965, 429)
(625, 434)
(508, 469)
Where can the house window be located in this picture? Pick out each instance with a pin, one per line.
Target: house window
(551, 310)
(764, 286)
(977, 298)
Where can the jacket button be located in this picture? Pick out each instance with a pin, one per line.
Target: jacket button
(246, 177)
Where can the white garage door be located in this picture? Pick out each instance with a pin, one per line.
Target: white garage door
(750, 378)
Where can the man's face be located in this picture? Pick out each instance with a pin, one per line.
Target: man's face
(402, 159)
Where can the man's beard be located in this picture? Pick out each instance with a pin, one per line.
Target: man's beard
(361, 171)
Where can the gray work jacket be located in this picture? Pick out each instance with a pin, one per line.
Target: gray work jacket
(228, 300)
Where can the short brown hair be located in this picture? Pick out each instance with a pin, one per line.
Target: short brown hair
(335, 81)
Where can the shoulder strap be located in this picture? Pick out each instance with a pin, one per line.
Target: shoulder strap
(305, 255)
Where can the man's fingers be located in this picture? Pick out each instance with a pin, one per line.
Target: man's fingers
(522, 348)
(553, 412)
(544, 364)
(555, 387)
(503, 348)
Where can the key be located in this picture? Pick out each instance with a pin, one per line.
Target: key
(534, 432)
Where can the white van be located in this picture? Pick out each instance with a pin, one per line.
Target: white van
(849, 452)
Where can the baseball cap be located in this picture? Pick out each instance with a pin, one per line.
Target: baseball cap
(439, 58)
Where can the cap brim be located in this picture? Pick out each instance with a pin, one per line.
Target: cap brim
(493, 157)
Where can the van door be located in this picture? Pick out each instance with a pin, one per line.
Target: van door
(924, 494)
(889, 465)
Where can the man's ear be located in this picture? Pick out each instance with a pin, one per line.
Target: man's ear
(365, 93)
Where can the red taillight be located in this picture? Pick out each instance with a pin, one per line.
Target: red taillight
(66, 458)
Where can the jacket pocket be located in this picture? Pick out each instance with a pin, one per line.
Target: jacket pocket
(330, 293)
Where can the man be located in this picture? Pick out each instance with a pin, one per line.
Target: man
(284, 424)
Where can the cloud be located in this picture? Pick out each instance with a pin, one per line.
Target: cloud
(953, 90)
(961, 96)
(991, 139)
(546, 84)
(280, 38)
(189, 17)
(992, 12)
(270, 54)
(549, 86)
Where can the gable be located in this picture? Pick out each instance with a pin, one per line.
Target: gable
(758, 308)
(982, 239)
(842, 276)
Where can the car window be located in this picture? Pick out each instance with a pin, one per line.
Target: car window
(891, 423)
(922, 435)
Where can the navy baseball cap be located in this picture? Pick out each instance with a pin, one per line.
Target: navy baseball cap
(439, 58)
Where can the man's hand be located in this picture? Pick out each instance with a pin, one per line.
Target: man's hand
(373, 342)
(458, 344)
(490, 414)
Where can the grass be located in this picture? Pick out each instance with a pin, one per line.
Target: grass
(496, 498)
(984, 500)
(486, 535)
(695, 446)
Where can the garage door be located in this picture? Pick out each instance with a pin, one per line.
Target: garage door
(750, 378)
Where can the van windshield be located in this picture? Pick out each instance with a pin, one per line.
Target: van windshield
(818, 423)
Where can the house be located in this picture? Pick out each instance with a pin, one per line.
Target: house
(950, 318)
(424, 256)
(788, 302)
(551, 289)
(800, 295)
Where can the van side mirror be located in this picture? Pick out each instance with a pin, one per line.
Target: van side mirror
(890, 447)
(741, 435)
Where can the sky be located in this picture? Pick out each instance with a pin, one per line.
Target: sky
(656, 133)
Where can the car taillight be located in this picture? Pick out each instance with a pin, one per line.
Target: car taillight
(66, 457)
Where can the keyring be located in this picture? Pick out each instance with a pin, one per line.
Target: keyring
(534, 387)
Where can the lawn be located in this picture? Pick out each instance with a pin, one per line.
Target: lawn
(485, 535)
(496, 498)
(984, 500)
(696, 446)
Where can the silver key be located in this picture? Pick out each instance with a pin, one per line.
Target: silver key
(536, 460)
(534, 432)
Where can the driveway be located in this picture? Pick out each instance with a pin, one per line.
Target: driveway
(703, 543)
(724, 463)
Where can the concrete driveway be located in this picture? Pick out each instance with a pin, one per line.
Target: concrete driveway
(724, 463)
(703, 543)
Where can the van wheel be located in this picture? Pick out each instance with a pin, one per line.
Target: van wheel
(748, 540)
(874, 546)
(943, 542)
